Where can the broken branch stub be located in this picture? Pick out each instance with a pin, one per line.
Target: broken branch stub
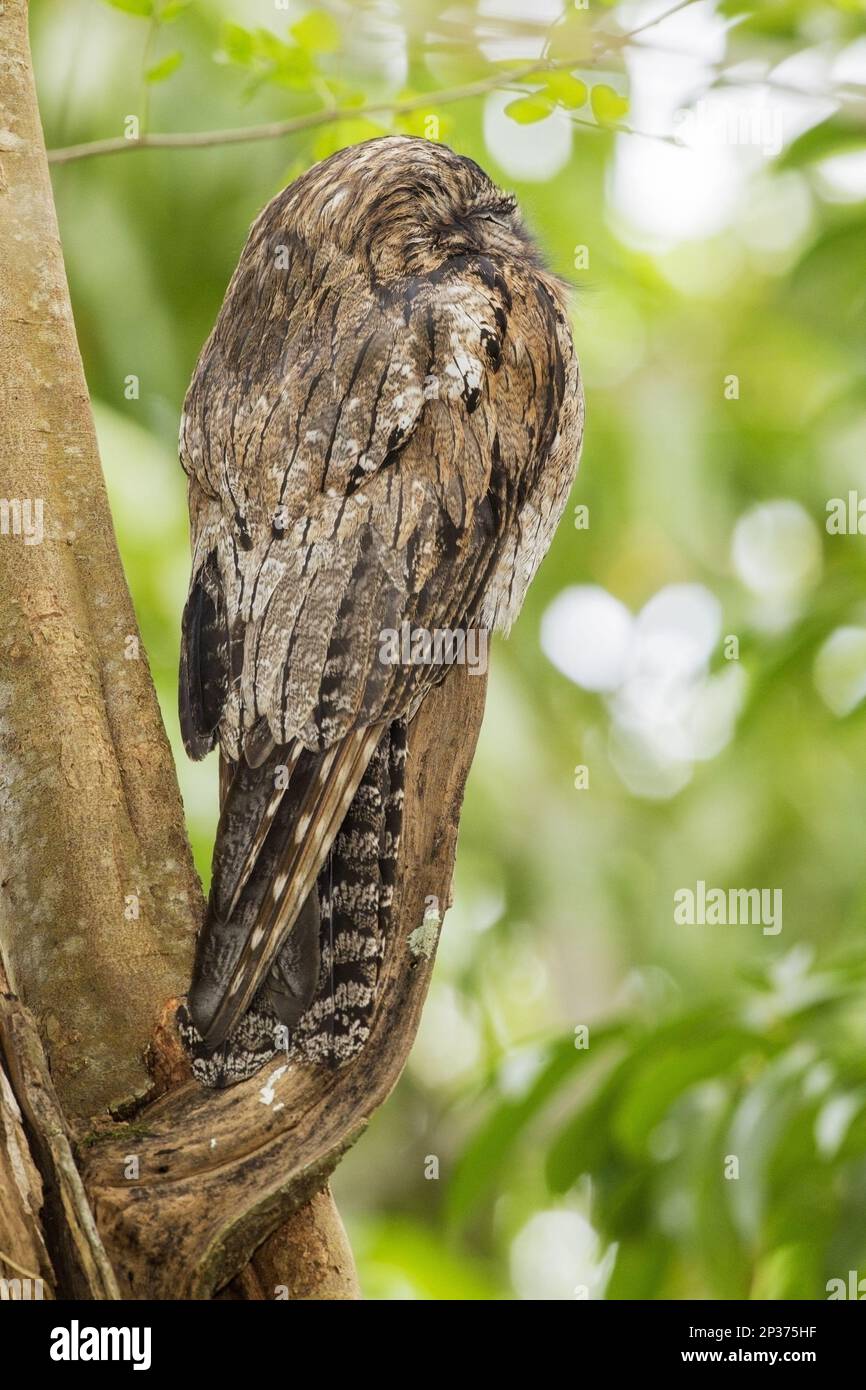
(48, 1191)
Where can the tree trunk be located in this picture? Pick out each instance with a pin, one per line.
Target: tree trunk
(99, 901)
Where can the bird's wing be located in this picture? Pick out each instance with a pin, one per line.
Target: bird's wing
(362, 481)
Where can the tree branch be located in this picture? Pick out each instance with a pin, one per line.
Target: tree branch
(216, 1173)
(312, 120)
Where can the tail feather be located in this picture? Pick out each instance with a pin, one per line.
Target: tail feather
(263, 877)
(292, 979)
(323, 982)
(247, 815)
(355, 894)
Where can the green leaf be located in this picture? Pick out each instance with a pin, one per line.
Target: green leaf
(640, 1269)
(836, 135)
(789, 1272)
(164, 68)
(482, 1162)
(137, 7)
(343, 93)
(612, 1128)
(567, 90)
(727, 1263)
(781, 20)
(317, 32)
(395, 1252)
(527, 110)
(238, 44)
(290, 65)
(274, 49)
(664, 1074)
(608, 106)
(586, 1144)
(172, 11)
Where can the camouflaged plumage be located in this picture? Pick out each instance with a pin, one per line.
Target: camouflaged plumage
(382, 429)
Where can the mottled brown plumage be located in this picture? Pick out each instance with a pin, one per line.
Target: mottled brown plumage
(383, 428)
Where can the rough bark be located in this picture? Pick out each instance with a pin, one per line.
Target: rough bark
(218, 1173)
(91, 826)
(308, 1259)
(23, 1255)
(58, 1202)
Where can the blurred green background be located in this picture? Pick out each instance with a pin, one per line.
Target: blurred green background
(696, 640)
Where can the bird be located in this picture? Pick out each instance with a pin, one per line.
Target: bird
(380, 434)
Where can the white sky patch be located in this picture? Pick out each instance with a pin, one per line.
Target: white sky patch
(677, 630)
(587, 633)
(662, 195)
(667, 709)
(670, 712)
(842, 177)
(776, 550)
(519, 1069)
(448, 1047)
(850, 64)
(839, 672)
(378, 45)
(531, 153)
(527, 44)
(777, 218)
(834, 1120)
(696, 30)
(558, 1255)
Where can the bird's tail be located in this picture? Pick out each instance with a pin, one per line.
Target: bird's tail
(275, 831)
(302, 952)
(356, 890)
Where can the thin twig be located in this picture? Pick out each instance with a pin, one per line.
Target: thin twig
(659, 19)
(619, 129)
(311, 120)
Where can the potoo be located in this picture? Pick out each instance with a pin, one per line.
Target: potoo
(380, 437)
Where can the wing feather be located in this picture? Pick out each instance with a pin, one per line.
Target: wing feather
(371, 460)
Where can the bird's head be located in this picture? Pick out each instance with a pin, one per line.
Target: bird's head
(403, 207)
